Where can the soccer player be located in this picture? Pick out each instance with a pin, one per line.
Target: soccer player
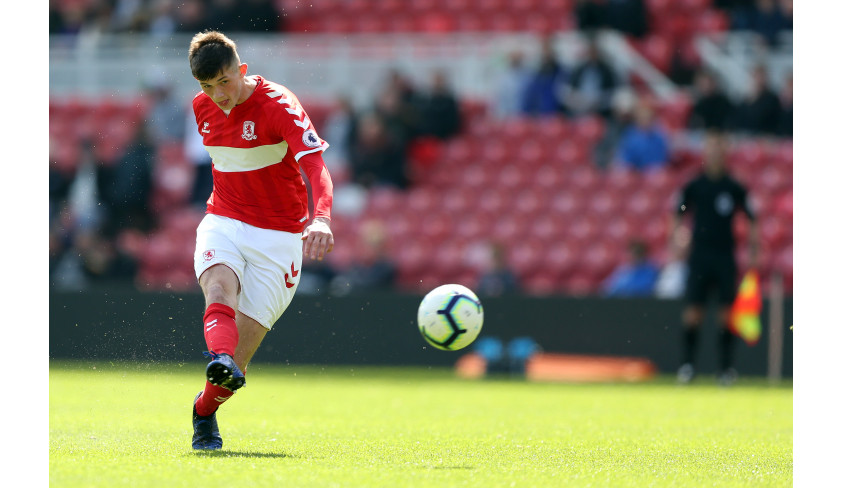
(713, 198)
(250, 245)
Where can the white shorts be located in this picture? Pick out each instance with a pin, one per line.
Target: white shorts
(267, 263)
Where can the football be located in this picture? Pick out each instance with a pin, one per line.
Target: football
(450, 317)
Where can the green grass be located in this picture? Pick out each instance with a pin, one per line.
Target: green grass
(129, 425)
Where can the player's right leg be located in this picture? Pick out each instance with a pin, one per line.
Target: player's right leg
(692, 317)
(219, 266)
(221, 286)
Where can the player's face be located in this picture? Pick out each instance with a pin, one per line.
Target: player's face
(714, 153)
(227, 89)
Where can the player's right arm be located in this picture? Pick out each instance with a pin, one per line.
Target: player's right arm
(680, 236)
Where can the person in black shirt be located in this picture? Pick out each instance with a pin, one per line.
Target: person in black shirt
(713, 198)
(758, 114)
(712, 108)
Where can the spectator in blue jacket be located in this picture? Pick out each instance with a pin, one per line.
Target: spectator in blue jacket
(543, 94)
(643, 145)
(634, 279)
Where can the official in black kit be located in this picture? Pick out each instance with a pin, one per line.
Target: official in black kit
(713, 199)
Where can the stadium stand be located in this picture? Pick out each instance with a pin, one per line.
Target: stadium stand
(564, 222)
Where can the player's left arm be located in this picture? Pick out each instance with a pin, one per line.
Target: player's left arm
(294, 125)
(754, 234)
(317, 236)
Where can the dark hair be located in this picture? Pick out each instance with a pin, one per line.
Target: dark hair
(210, 54)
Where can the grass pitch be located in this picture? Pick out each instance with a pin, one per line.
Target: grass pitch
(129, 425)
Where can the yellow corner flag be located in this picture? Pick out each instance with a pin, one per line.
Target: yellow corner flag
(745, 319)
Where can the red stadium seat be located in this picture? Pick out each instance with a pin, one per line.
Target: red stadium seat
(567, 204)
(711, 22)
(618, 229)
(531, 205)
(585, 179)
(657, 50)
(622, 181)
(583, 229)
(527, 258)
(512, 177)
(588, 130)
(540, 283)
(509, 229)
(562, 257)
(603, 204)
(548, 178)
(548, 229)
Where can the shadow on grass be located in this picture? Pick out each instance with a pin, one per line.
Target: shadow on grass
(243, 454)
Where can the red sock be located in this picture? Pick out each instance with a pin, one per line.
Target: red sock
(211, 399)
(221, 334)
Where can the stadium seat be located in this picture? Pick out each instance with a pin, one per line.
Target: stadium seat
(602, 204)
(540, 283)
(711, 22)
(548, 178)
(561, 257)
(548, 229)
(617, 229)
(526, 258)
(510, 229)
(657, 50)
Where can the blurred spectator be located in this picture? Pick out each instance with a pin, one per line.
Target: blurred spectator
(372, 269)
(397, 107)
(340, 129)
(637, 278)
(125, 187)
(194, 150)
(592, 84)
(191, 17)
(786, 101)
(672, 279)
(623, 108)
(627, 16)
(768, 21)
(759, 113)
(644, 144)
(712, 108)
(591, 15)
(378, 157)
(497, 279)
(68, 19)
(546, 85)
(684, 64)
(244, 16)
(165, 119)
(439, 110)
(508, 98)
(162, 18)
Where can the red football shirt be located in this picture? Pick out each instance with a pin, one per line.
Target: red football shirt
(257, 150)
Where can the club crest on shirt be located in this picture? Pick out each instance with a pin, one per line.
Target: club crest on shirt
(249, 131)
(309, 138)
(208, 255)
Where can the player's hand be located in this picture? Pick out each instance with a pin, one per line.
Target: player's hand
(753, 256)
(318, 239)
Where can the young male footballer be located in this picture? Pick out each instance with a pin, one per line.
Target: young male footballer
(249, 246)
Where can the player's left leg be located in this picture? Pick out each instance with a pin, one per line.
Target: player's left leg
(727, 291)
(251, 335)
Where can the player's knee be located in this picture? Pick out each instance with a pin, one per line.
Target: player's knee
(220, 285)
